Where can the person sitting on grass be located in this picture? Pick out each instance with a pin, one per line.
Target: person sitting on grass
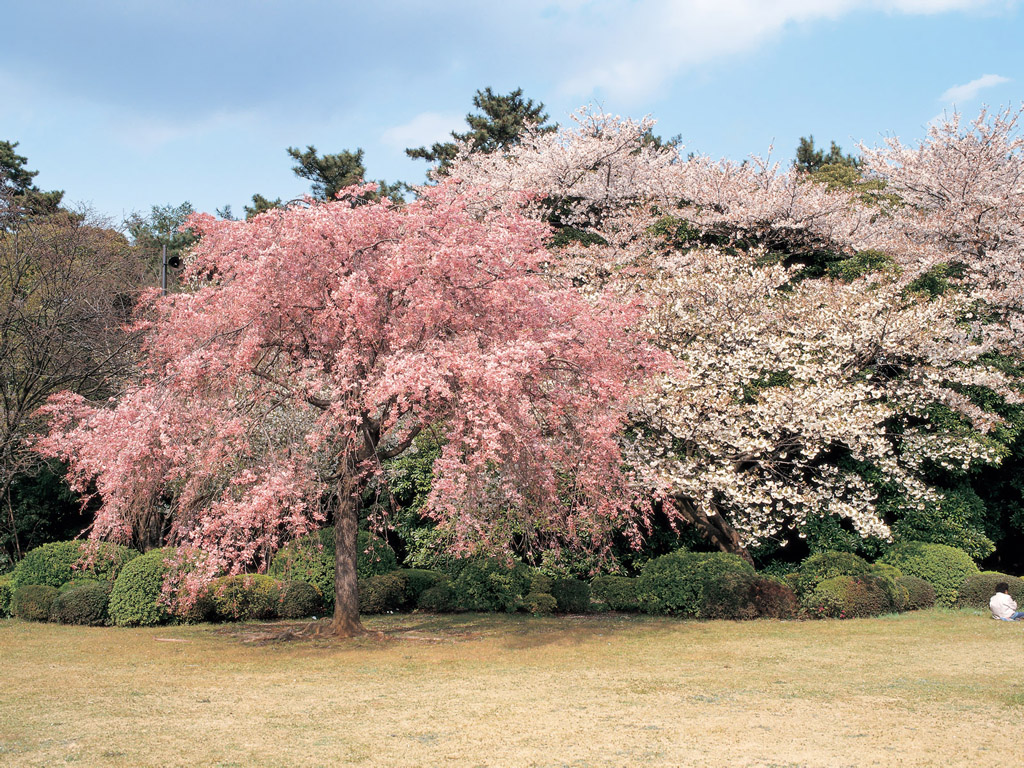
(1003, 606)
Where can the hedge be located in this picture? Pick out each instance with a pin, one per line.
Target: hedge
(741, 595)
(33, 602)
(491, 584)
(945, 568)
(383, 593)
(135, 598)
(55, 563)
(439, 599)
(827, 565)
(848, 597)
(676, 583)
(6, 592)
(920, 594)
(298, 600)
(83, 604)
(618, 593)
(245, 597)
(977, 589)
(571, 595)
(310, 559)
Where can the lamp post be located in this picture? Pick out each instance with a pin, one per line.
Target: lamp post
(174, 262)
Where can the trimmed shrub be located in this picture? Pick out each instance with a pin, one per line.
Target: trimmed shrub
(298, 600)
(978, 588)
(135, 598)
(439, 599)
(311, 559)
(383, 593)
(539, 602)
(848, 597)
(774, 598)
(55, 563)
(827, 565)
(5, 595)
(616, 592)
(245, 597)
(418, 581)
(490, 584)
(945, 568)
(33, 602)
(920, 594)
(675, 583)
(571, 595)
(541, 583)
(741, 596)
(884, 569)
(84, 604)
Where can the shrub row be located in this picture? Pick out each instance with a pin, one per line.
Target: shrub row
(135, 597)
(55, 582)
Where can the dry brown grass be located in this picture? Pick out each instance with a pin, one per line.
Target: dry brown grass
(928, 689)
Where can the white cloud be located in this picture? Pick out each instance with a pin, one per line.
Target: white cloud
(422, 131)
(959, 94)
(630, 51)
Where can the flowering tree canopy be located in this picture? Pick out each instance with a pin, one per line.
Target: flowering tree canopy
(831, 338)
(319, 341)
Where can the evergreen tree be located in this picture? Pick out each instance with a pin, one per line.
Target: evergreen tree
(261, 204)
(331, 173)
(498, 127)
(16, 183)
(809, 159)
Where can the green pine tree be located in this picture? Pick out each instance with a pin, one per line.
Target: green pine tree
(498, 125)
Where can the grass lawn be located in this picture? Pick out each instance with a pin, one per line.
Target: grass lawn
(935, 688)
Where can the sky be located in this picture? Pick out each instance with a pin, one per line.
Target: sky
(126, 104)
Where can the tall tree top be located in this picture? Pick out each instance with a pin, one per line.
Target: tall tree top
(498, 127)
(16, 182)
(810, 159)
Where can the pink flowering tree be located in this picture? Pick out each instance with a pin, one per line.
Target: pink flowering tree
(318, 342)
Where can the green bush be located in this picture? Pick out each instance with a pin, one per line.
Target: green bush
(84, 604)
(33, 602)
(571, 595)
(920, 594)
(311, 559)
(490, 584)
(418, 581)
(383, 593)
(439, 599)
(541, 583)
(298, 600)
(976, 591)
(616, 592)
(741, 595)
(135, 598)
(675, 583)
(245, 597)
(826, 565)
(774, 598)
(539, 602)
(945, 568)
(848, 597)
(5, 595)
(55, 563)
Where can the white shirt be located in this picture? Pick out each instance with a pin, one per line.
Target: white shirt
(1003, 606)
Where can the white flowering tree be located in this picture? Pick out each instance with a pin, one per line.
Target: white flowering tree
(823, 368)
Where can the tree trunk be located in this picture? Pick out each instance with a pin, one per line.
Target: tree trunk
(346, 590)
(714, 528)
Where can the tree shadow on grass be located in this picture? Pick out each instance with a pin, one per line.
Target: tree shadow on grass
(513, 631)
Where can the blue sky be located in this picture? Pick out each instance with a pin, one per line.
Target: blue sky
(130, 103)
